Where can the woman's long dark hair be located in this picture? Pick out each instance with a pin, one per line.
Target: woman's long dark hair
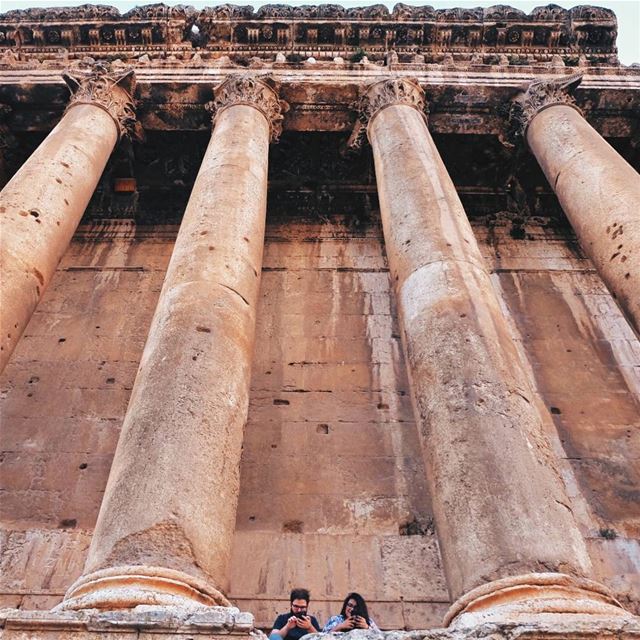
(361, 606)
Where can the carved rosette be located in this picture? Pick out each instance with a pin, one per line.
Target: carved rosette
(258, 92)
(108, 89)
(540, 95)
(383, 94)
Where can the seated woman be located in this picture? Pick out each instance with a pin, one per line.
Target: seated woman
(353, 615)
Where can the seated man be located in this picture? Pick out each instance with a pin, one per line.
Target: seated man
(296, 623)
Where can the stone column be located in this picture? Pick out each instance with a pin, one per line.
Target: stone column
(504, 522)
(167, 519)
(597, 189)
(43, 203)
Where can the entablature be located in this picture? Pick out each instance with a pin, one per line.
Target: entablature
(324, 31)
(321, 96)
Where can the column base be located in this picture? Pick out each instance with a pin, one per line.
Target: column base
(534, 597)
(127, 587)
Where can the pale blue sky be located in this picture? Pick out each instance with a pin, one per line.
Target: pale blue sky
(628, 11)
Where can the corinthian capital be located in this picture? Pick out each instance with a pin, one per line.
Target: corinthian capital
(109, 89)
(538, 96)
(257, 92)
(382, 94)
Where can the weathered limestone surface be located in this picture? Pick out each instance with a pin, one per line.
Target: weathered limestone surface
(216, 623)
(63, 403)
(327, 343)
(169, 508)
(584, 357)
(598, 190)
(42, 204)
(329, 382)
(499, 505)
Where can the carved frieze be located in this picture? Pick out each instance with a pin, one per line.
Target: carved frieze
(383, 94)
(235, 29)
(538, 96)
(107, 88)
(258, 92)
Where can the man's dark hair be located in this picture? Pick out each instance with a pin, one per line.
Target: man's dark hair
(299, 594)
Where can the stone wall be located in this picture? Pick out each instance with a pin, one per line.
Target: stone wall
(333, 494)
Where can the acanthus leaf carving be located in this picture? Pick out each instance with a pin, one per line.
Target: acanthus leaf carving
(256, 91)
(382, 94)
(538, 96)
(62, 14)
(404, 12)
(275, 11)
(592, 14)
(549, 13)
(108, 88)
(503, 12)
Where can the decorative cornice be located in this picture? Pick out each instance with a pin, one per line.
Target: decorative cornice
(322, 31)
(401, 12)
(256, 91)
(108, 88)
(540, 95)
(380, 95)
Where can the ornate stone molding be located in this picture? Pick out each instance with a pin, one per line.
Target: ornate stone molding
(541, 95)
(327, 29)
(255, 91)
(108, 89)
(401, 12)
(383, 94)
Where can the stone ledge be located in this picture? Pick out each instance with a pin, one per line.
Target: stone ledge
(174, 620)
(162, 623)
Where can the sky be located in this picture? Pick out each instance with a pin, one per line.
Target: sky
(628, 11)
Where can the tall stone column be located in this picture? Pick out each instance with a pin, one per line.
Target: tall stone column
(597, 189)
(41, 206)
(505, 527)
(167, 519)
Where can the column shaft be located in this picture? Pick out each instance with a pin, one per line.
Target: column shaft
(600, 195)
(41, 206)
(168, 515)
(499, 504)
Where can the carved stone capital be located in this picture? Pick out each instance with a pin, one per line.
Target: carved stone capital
(541, 95)
(380, 95)
(254, 91)
(108, 89)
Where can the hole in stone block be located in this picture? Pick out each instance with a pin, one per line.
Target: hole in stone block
(68, 523)
(293, 526)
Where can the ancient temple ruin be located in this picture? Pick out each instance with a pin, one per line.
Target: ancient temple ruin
(334, 297)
